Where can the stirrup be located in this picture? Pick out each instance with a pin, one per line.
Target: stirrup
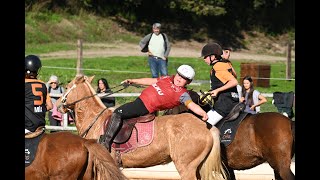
(102, 141)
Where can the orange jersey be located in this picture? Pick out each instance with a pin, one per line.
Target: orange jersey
(220, 74)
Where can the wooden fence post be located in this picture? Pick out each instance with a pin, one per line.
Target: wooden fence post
(288, 65)
(79, 60)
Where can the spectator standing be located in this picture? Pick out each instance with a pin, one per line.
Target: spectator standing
(55, 92)
(37, 100)
(103, 89)
(251, 97)
(158, 47)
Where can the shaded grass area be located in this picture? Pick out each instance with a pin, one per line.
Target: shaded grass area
(49, 32)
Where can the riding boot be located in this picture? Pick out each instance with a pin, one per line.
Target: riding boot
(112, 129)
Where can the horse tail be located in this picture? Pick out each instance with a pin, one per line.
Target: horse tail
(103, 165)
(212, 167)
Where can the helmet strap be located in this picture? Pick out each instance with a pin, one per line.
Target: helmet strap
(211, 60)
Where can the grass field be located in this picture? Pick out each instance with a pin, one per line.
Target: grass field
(117, 69)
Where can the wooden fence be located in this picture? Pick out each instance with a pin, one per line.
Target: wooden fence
(66, 127)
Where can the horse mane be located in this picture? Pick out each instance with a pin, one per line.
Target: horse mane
(88, 80)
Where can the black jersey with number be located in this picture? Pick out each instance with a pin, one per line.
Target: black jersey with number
(36, 95)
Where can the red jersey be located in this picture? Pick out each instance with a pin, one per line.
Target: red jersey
(162, 95)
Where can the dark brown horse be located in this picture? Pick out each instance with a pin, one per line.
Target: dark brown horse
(65, 156)
(264, 137)
(182, 139)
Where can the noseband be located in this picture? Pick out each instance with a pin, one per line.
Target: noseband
(64, 97)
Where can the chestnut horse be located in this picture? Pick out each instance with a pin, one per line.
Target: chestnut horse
(64, 156)
(182, 139)
(264, 137)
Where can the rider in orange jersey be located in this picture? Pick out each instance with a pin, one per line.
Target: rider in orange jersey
(223, 82)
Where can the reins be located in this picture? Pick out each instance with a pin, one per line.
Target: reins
(64, 98)
(125, 85)
(89, 127)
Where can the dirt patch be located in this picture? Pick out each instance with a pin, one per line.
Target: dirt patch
(179, 49)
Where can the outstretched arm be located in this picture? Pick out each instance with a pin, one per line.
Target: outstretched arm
(141, 81)
(198, 110)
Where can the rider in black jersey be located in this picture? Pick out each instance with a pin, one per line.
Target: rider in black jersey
(37, 100)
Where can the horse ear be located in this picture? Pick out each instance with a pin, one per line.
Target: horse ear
(91, 78)
(78, 78)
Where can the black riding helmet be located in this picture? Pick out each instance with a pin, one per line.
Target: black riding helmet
(32, 64)
(211, 49)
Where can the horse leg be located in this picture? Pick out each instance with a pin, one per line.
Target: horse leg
(188, 155)
(281, 164)
(188, 169)
(287, 176)
(188, 173)
(283, 174)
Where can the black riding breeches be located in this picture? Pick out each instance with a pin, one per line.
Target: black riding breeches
(132, 109)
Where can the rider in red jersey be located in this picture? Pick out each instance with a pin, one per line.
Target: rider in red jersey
(162, 93)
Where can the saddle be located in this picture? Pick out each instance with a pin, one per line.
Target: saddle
(235, 111)
(32, 140)
(229, 128)
(128, 125)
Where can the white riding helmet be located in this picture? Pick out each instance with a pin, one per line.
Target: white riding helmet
(186, 72)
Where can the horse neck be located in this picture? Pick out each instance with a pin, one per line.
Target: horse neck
(88, 111)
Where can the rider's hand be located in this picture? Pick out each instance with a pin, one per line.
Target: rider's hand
(205, 117)
(214, 93)
(128, 81)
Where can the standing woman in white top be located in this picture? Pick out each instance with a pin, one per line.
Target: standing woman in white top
(251, 97)
(157, 46)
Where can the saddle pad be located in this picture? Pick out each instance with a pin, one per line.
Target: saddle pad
(143, 138)
(229, 129)
(30, 148)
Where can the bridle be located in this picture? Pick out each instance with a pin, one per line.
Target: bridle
(64, 97)
(65, 105)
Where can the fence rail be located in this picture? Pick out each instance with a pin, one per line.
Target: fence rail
(66, 127)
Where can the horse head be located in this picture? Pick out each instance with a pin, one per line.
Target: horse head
(77, 90)
(81, 99)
